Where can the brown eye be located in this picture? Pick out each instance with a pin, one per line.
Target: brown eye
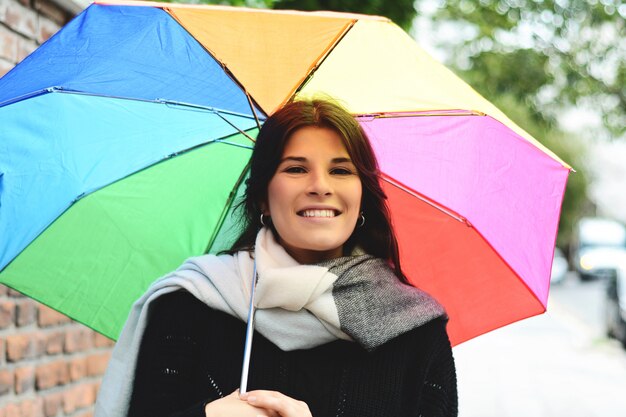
(294, 170)
(341, 171)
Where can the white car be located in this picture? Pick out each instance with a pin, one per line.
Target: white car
(615, 317)
(598, 246)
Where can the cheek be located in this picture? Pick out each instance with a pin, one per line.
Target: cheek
(277, 193)
(357, 197)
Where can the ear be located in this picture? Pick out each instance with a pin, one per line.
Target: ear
(264, 208)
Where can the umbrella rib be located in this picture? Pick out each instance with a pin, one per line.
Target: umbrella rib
(25, 96)
(235, 127)
(166, 158)
(225, 68)
(426, 200)
(323, 57)
(239, 145)
(58, 89)
(219, 112)
(425, 113)
(464, 220)
(256, 118)
(227, 206)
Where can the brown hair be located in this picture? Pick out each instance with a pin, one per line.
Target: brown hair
(376, 236)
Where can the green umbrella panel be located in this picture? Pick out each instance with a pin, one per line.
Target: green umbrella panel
(109, 246)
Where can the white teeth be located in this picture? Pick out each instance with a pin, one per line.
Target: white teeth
(318, 213)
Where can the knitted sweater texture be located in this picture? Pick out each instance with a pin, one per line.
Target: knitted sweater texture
(191, 354)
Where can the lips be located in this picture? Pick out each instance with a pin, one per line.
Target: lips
(322, 213)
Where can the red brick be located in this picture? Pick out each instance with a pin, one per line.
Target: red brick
(51, 11)
(51, 374)
(24, 346)
(24, 48)
(32, 408)
(12, 410)
(2, 352)
(25, 312)
(77, 368)
(8, 51)
(52, 404)
(54, 342)
(47, 28)
(6, 381)
(96, 387)
(100, 340)
(49, 317)
(88, 395)
(15, 293)
(79, 396)
(78, 339)
(5, 66)
(7, 313)
(97, 363)
(85, 414)
(24, 379)
(21, 19)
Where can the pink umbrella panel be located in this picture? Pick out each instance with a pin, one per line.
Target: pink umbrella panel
(480, 232)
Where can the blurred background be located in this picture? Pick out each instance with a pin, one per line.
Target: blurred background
(558, 69)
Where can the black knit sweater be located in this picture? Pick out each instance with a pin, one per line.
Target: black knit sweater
(191, 354)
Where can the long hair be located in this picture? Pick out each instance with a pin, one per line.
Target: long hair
(376, 236)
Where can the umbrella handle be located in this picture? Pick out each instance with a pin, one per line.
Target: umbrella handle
(243, 386)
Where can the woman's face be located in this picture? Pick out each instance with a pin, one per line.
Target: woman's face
(314, 198)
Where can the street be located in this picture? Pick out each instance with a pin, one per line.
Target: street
(553, 365)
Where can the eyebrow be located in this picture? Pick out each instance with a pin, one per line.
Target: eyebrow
(303, 159)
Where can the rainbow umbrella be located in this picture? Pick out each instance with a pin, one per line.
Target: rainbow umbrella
(125, 139)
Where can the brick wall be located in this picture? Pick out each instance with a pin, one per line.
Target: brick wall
(24, 25)
(50, 366)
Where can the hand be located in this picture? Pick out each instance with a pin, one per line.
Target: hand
(232, 406)
(276, 404)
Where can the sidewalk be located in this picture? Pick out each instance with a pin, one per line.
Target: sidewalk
(552, 365)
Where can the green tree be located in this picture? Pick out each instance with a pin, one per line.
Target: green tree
(401, 12)
(572, 52)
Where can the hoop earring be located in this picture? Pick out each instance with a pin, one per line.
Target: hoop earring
(362, 218)
(262, 222)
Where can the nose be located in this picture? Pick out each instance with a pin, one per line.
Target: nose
(319, 184)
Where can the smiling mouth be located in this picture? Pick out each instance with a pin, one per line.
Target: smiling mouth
(319, 213)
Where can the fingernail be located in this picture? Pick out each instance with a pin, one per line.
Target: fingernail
(251, 399)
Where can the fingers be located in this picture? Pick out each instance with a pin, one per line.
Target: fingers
(232, 405)
(280, 404)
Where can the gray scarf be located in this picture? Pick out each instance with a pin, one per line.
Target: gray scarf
(373, 305)
(298, 306)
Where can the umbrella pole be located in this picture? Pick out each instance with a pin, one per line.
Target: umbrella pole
(243, 386)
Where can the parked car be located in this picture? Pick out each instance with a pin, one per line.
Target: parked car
(597, 246)
(615, 316)
(559, 267)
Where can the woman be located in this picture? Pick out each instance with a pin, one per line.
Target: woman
(339, 332)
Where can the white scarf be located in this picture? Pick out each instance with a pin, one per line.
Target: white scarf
(296, 307)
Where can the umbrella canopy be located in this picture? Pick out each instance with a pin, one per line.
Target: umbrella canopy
(126, 136)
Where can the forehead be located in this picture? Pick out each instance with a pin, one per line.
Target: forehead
(313, 141)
